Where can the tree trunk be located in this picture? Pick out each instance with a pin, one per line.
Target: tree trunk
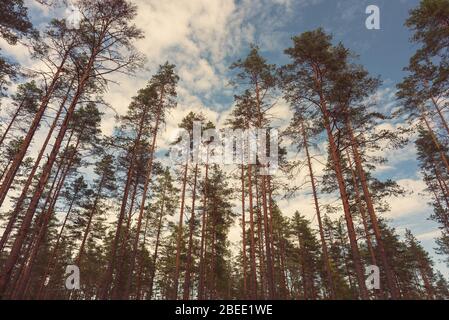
(345, 200)
(369, 203)
(203, 230)
(361, 209)
(268, 242)
(335, 155)
(252, 242)
(31, 175)
(106, 282)
(212, 283)
(179, 238)
(18, 243)
(144, 196)
(13, 119)
(440, 114)
(186, 293)
(327, 264)
(50, 265)
(260, 239)
(242, 178)
(89, 221)
(156, 247)
(140, 263)
(5, 169)
(29, 136)
(120, 277)
(42, 230)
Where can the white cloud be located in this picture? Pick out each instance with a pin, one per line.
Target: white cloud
(411, 204)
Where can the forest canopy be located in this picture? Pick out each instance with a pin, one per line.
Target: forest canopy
(86, 179)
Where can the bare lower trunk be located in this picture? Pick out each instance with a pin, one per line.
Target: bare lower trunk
(156, 248)
(107, 279)
(349, 222)
(31, 175)
(361, 209)
(179, 238)
(252, 241)
(140, 262)
(242, 178)
(46, 216)
(373, 217)
(186, 293)
(18, 243)
(7, 182)
(268, 242)
(120, 278)
(203, 232)
(326, 259)
(260, 239)
(51, 263)
(144, 197)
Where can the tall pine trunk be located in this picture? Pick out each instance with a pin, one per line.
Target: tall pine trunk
(335, 156)
(156, 246)
(11, 122)
(107, 278)
(242, 178)
(179, 237)
(89, 221)
(31, 175)
(203, 230)
(186, 292)
(18, 243)
(369, 203)
(51, 261)
(7, 182)
(253, 274)
(144, 196)
(326, 259)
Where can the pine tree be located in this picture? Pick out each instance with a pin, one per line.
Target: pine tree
(14, 25)
(316, 63)
(422, 262)
(163, 86)
(25, 104)
(299, 132)
(257, 81)
(165, 201)
(111, 18)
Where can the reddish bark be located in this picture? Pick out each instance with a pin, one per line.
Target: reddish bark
(253, 275)
(203, 230)
(144, 194)
(326, 259)
(179, 238)
(186, 292)
(373, 217)
(7, 182)
(31, 175)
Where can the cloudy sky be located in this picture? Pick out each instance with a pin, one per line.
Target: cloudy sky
(203, 37)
